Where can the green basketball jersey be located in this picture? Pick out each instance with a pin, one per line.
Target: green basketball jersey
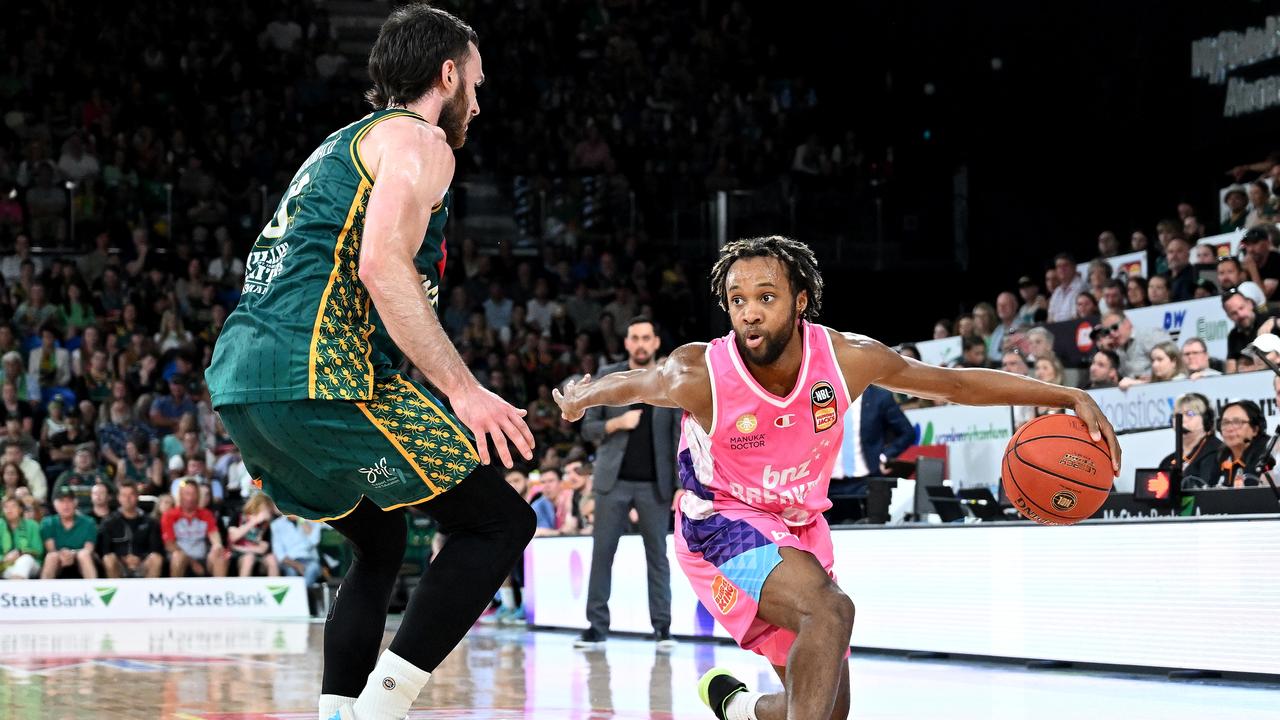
(305, 326)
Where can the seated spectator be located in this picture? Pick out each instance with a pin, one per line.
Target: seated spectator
(35, 313)
(68, 540)
(250, 538)
(1108, 244)
(191, 537)
(13, 408)
(1261, 261)
(129, 539)
(1182, 276)
(1113, 297)
(1013, 362)
(1195, 356)
(55, 419)
(1204, 289)
(1104, 370)
(1136, 292)
(1204, 254)
(1062, 303)
(1200, 443)
(1247, 322)
(1192, 229)
(81, 478)
(1230, 272)
(21, 548)
(1166, 365)
(293, 543)
(144, 470)
(973, 352)
(965, 325)
(101, 504)
(1086, 306)
(1244, 445)
(548, 505)
(168, 409)
(1158, 290)
(1048, 368)
(11, 478)
(12, 371)
(1262, 205)
(1002, 337)
(49, 364)
(1115, 332)
(30, 470)
(1098, 275)
(1039, 342)
(62, 446)
(13, 431)
(942, 329)
(75, 314)
(1035, 306)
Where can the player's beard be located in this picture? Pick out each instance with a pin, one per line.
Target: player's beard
(771, 344)
(453, 119)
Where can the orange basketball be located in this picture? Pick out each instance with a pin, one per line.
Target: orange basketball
(1054, 473)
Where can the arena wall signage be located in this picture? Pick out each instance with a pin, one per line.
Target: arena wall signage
(278, 597)
(1215, 58)
(940, 352)
(1203, 318)
(1004, 590)
(1122, 266)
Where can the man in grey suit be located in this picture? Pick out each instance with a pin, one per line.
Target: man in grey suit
(635, 467)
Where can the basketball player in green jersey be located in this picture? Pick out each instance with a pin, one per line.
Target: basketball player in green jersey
(340, 288)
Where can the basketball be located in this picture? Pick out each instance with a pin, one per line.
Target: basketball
(1054, 473)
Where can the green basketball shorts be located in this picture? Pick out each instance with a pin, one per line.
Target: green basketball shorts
(318, 458)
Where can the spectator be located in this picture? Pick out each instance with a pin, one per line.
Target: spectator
(1230, 272)
(1113, 297)
(1166, 365)
(942, 329)
(1048, 368)
(1115, 332)
(545, 504)
(11, 266)
(21, 548)
(965, 325)
(129, 539)
(1136, 292)
(1204, 289)
(1200, 445)
(293, 543)
(1204, 254)
(100, 503)
(1013, 362)
(35, 312)
(1262, 205)
(1002, 338)
(172, 335)
(1195, 355)
(1261, 261)
(1062, 303)
(1158, 290)
(498, 308)
(1108, 244)
(1099, 274)
(191, 538)
(30, 470)
(1182, 277)
(12, 408)
(1035, 307)
(1247, 323)
(1104, 370)
(1086, 306)
(973, 352)
(11, 478)
(81, 478)
(1244, 444)
(250, 538)
(167, 410)
(49, 364)
(1039, 342)
(68, 540)
(76, 164)
(1192, 229)
(75, 313)
(1237, 201)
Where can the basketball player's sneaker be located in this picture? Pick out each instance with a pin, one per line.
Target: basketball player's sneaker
(716, 688)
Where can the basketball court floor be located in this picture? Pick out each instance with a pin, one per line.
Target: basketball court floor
(259, 670)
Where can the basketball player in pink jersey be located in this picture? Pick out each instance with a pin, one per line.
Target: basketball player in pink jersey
(763, 408)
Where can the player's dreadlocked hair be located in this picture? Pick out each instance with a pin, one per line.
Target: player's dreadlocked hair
(802, 267)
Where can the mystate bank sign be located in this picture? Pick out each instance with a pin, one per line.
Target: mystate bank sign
(277, 597)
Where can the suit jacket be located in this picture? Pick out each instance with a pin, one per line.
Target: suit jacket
(880, 415)
(611, 448)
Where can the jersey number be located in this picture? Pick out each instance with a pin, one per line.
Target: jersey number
(275, 229)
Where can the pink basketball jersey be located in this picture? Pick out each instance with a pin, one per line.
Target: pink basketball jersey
(771, 453)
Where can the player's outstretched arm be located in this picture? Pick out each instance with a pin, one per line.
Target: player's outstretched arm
(865, 361)
(413, 166)
(679, 382)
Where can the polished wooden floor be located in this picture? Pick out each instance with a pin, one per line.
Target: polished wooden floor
(251, 670)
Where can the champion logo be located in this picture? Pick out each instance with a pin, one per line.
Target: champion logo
(784, 421)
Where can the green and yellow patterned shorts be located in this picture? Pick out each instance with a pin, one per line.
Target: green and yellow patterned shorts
(318, 458)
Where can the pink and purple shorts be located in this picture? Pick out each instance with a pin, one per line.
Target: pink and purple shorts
(727, 558)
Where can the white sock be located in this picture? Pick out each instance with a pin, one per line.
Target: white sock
(743, 706)
(391, 689)
(508, 597)
(330, 704)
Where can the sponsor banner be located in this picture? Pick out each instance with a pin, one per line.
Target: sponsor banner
(277, 597)
(1122, 266)
(1203, 318)
(1071, 341)
(951, 424)
(1150, 405)
(1013, 590)
(945, 352)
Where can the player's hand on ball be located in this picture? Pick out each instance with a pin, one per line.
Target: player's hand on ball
(488, 416)
(1099, 426)
(570, 400)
